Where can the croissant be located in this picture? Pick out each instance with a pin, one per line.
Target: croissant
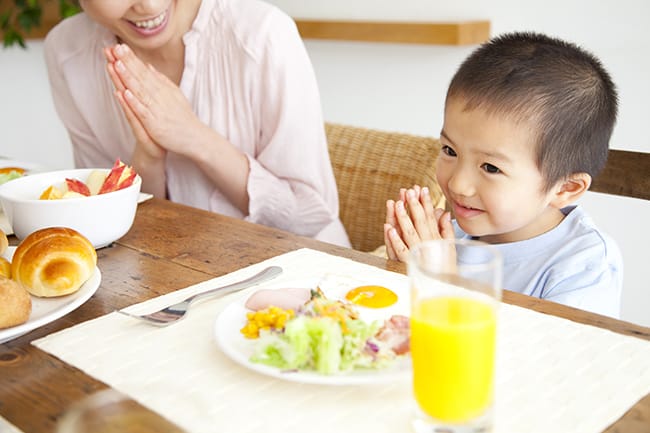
(5, 267)
(54, 261)
(4, 242)
(15, 303)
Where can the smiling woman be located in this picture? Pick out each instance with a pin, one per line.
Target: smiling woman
(201, 98)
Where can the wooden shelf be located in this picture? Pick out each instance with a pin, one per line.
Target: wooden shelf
(442, 33)
(456, 33)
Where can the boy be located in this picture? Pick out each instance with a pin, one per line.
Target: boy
(527, 124)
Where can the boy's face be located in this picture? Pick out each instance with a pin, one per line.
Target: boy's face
(488, 174)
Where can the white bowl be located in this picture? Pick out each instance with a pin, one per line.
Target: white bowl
(102, 218)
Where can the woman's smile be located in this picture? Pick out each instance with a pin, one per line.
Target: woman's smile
(151, 26)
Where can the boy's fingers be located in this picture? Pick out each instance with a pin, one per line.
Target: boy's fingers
(429, 211)
(418, 216)
(409, 233)
(390, 212)
(399, 249)
(390, 252)
(446, 227)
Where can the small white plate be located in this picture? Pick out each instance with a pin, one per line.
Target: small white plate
(30, 167)
(239, 349)
(46, 310)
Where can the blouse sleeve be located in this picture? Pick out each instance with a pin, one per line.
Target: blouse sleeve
(61, 52)
(291, 184)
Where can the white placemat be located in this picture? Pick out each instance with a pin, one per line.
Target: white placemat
(552, 374)
(7, 427)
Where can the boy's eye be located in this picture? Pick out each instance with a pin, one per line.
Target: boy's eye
(491, 168)
(448, 151)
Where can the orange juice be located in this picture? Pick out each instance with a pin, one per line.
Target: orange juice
(453, 348)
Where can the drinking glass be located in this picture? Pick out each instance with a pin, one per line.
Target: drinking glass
(109, 411)
(455, 293)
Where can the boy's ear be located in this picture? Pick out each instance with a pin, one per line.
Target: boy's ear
(569, 190)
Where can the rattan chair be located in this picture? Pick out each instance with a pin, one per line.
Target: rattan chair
(370, 166)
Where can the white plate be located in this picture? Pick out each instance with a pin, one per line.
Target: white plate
(239, 349)
(46, 310)
(30, 167)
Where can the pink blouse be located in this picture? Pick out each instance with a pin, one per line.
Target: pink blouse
(248, 76)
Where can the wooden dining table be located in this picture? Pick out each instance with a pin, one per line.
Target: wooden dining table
(169, 247)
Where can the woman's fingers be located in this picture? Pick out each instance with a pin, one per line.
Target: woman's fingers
(117, 82)
(139, 132)
(135, 75)
(125, 102)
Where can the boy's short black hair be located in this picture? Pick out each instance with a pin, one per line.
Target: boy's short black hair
(559, 88)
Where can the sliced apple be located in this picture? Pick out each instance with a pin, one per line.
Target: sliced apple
(127, 178)
(120, 176)
(113, 178)
(72, 194)
(95, 181)
(75, 185)
(51, 193)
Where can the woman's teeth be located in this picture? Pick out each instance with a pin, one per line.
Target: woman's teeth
(151, 24)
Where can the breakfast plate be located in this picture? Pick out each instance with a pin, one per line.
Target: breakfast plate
(46, 310)
(29, 167)
(239, 349)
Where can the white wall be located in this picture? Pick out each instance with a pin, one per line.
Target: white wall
(401, 87)
(29, 127)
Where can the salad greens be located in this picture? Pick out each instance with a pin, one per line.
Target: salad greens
(328, 337)
(6, 177)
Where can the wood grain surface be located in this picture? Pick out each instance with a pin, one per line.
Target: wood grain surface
(626, 173)
(170, 247)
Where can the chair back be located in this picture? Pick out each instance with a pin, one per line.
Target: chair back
(370, 166)
(626, 173)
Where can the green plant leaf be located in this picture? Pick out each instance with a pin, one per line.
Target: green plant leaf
(22, 16)
(12, 37)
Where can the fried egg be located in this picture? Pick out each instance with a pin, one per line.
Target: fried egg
(371, 296)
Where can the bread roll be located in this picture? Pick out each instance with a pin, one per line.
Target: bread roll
(4, 242)
(15, 303)
(5, 267)
(53, 261)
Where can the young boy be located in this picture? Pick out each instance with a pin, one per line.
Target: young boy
(527, 124)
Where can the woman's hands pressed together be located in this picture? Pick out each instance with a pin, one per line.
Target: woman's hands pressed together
(413, 219)
(162, 121)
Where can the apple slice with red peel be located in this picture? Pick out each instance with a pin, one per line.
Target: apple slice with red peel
(75, 185)
(113, 178)
(121, 176)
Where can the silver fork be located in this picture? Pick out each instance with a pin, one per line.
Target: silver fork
(175, 312)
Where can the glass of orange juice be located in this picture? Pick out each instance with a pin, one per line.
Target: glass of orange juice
(455, 293)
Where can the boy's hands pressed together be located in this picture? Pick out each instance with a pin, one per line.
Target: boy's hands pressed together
(413, 219)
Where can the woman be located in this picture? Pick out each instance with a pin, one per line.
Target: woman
(213, 102)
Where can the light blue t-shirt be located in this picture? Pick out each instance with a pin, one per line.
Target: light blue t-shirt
(574, 264)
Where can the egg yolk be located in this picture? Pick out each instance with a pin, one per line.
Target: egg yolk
(371, 296)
